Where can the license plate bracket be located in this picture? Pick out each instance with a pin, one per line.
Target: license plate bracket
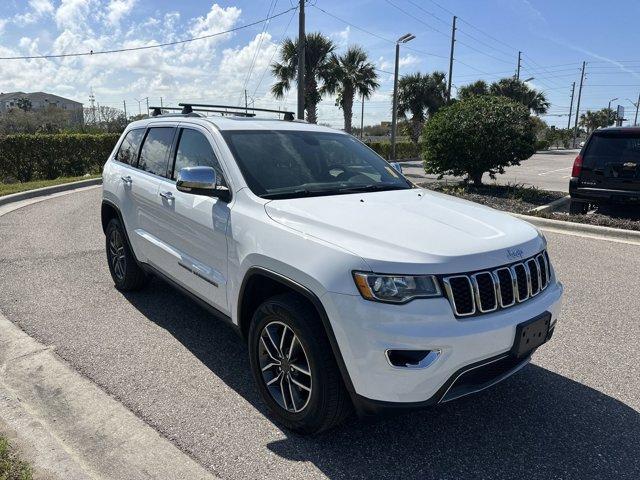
(531, 334)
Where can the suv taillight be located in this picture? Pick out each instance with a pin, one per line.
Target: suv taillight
(577, 166)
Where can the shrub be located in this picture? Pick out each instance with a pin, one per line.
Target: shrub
(477, 135)
(404, 150)
(27, 157)
(542, 145)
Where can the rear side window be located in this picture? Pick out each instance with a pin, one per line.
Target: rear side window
(128, 150)
(155, 150)
(612, 149)
(194, 150)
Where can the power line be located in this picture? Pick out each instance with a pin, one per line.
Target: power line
(417, 19)
(148, 47)
(375, 34)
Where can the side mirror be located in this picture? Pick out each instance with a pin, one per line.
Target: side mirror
(200, 181)
(396, 166)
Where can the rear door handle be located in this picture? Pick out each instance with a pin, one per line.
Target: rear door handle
(126, 180)
(167, 195)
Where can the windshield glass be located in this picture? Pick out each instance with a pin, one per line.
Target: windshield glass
(612, 149)
(289, 164)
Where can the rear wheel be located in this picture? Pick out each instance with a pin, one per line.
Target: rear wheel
(294, 367)
(578, 208)
(125, 271)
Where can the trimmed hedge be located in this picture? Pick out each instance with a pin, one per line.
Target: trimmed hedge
(404, 150)
(27, 157)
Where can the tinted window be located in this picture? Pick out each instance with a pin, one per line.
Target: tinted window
(155, 150)
(194, 150)
(128, 150)
(301, 163)
(612, 149)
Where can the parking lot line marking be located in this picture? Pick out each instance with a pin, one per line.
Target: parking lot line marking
(551, 171)
(590, 235)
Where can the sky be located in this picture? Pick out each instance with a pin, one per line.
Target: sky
(554, 36)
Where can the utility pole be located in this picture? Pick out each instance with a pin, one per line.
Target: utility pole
(635, 120)
(161, 105)
(124, 104)
(246, 105)
(362, 119)
(575, 128)
(394, 113)
(453, 42)
(147, 106)
(573, 90)
(301, 54)
(519, 64)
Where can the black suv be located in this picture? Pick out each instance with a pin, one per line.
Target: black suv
(607, 170)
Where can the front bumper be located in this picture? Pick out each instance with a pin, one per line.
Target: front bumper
(365, 330)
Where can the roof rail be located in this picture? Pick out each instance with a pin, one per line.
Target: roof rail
(157, 112)
(235, 110)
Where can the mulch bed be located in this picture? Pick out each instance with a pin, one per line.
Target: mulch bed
(522, 199)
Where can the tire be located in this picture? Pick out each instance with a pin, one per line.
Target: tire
(324, 402)
(578, 208)
(125, 271)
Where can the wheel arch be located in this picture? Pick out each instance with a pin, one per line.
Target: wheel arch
(259, 284)
(108, 211)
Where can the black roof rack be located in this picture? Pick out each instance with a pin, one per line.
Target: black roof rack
(157, 111)
(235, 110)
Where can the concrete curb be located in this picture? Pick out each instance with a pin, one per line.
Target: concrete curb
(40, 192)
(583, 229)
(66, 426)
(553, 206)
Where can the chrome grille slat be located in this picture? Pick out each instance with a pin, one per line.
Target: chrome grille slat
(490, 290)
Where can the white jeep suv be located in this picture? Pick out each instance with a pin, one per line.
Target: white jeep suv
(352, 287)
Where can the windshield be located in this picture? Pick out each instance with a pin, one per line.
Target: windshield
(289, 164)
(611, 149)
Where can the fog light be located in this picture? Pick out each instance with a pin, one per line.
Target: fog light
(412, 358)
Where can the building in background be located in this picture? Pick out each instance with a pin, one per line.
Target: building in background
(42, 101)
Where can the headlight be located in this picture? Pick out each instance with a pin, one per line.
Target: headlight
(396, 288)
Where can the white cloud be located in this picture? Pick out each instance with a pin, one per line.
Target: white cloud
(3, 24)
(341, 38)
(217, 20)
(404, 61)
(41, 7)
(118, 9)
(72, 14)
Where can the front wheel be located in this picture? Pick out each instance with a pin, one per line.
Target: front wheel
(294, 367)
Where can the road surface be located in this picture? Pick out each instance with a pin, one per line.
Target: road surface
(549, 170)
(572, 414)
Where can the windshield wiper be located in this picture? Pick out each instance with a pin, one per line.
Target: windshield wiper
(297, 193)
(374, 187)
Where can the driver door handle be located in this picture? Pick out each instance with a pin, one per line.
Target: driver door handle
(167, 195)
(126, 180)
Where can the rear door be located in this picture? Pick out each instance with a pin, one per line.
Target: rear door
(143, 189)
(611, 160)
(194, 226)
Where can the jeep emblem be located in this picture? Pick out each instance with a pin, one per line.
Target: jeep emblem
(514, 253)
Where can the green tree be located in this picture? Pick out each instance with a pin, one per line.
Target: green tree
(318, 50)
(481, 134)
(350, 74)
(422, 96)
(478, 87)
(519, 91)
(591, 120)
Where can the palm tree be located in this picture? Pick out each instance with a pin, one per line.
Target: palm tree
(521, 93)
(422, 95)
(318, 49)
(478, 87)
(351, 74)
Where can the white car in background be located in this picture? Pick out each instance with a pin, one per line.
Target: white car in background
(352, 287)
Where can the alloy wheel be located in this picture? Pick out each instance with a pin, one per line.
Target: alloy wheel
(285, 367)
(117, 254)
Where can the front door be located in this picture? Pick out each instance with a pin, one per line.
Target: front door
(195, 225)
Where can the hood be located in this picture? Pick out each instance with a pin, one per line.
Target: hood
(416, 230)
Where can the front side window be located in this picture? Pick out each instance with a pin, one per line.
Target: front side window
(194, 150)
(155, 150)
(128, 150)
(289, 164)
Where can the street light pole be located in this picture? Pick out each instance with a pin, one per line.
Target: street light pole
(362, 119)
(575, 125)
(573, 90)
(635, 120)
(394, 113)
(609, 110)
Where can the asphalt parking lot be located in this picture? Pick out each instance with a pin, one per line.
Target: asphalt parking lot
(549, 170)
(574, 413)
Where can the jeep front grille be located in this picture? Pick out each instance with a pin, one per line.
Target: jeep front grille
(489, 290)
